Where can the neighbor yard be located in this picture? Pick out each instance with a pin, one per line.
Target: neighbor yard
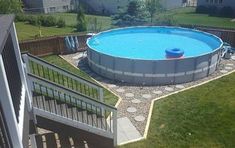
(182, 16)
(26, 31)
(200, 117)
(187, 16)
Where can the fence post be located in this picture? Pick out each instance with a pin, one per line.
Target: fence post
(58, 39)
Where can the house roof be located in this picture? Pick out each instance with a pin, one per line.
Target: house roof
(5, 25)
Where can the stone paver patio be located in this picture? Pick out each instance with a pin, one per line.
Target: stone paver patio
(136, 100)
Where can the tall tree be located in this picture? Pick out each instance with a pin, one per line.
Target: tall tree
(10, 6)
(134, 14)
(81, 21)
(133, 8)
(153, 6)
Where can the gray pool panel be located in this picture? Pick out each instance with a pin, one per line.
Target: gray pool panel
(150, 72)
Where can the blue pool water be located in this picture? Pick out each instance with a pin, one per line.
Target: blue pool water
(150, 43)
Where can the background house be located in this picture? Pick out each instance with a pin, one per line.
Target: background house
(49, 6)
(171, 4)
(112, 6)
(218, 3)
(104, 6)
(191, 3)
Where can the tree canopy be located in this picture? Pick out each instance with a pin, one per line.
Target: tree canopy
(10, 6)
(81, 21)
(153, 6)
(134, 14)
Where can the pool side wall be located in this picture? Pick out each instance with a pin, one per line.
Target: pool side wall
(154, 72)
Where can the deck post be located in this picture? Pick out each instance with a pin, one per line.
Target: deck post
(115, 128)
(101, 94)
(27, 70)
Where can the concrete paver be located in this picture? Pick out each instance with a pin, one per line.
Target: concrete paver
(126, 131)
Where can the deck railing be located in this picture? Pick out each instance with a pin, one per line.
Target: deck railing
(79, 110)
(43, 69)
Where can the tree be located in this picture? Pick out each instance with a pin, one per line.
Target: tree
(152, 7)
(133, 8)
(81, 21)
(10, 6)
(135, 14)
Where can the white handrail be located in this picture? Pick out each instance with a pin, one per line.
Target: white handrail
(28, 58)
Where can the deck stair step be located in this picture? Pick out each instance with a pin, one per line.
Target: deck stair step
(65, 142)
(51, 140)
(74, 113)
(59, 140)
(39, 141)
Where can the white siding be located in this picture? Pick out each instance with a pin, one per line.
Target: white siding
(111, 6)
(171, 4)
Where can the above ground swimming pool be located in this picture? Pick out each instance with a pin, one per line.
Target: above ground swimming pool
(154, 55)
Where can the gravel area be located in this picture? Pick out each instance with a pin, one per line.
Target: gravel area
(142, 95)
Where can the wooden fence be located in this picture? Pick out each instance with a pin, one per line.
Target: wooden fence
(227, 35)
(224, 34)
(52, 45)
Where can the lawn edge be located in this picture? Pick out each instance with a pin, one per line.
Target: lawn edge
(176, 92)
(162, 97)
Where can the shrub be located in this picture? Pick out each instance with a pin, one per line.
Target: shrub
(47, 21)
(41, 19)
(81, 26)
(227, 12)
(33, 20)
(60, 23)
(201, 9)
(20, 17)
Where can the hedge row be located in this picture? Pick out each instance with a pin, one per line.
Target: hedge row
(215, 11)
(43, 20)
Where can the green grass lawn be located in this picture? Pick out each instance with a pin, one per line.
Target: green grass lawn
(189, 17)
(199, 117)
(109, 97)
(26, 31)
(71, 20)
